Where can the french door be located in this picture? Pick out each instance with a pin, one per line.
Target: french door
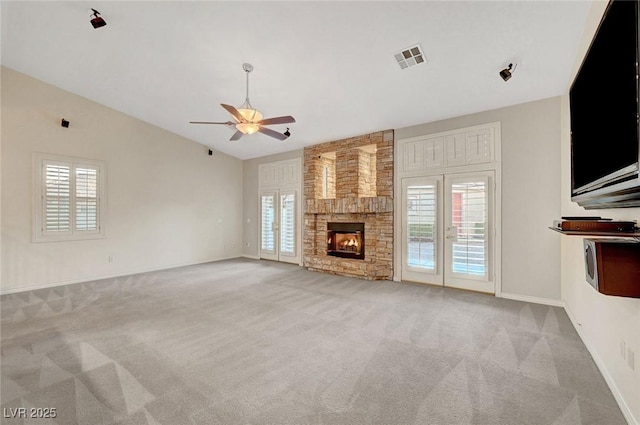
(278, 225)
(447, 230)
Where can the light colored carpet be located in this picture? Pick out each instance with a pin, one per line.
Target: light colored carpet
(257, 342)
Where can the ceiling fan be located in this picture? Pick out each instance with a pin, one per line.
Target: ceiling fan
(248, 120)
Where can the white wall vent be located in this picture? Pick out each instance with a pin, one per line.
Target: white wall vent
(410, 56)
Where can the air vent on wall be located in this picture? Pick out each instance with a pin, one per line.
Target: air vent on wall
(410, 56)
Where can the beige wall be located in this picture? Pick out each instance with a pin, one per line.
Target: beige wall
(530, 192)
(250, 215)
(604, 322)
(168, 202)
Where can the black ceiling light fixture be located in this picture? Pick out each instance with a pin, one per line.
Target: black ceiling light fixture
(507, 72)
(96, 19)
(287, 133)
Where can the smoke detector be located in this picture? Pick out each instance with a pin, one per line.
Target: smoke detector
(410, 56)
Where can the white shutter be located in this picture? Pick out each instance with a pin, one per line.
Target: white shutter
(455, 146)
(421, 226)
(268, 240)
(412, 154)
(56, 198)
(469, 204)
(480, 146)
(288, 224)
(86, 199)
(434, 152)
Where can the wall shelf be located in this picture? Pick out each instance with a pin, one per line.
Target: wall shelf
(635, 234)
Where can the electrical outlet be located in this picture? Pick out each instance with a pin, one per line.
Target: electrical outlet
(110, 259)
(631, 359)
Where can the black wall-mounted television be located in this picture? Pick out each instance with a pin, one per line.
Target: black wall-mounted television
(604, 114)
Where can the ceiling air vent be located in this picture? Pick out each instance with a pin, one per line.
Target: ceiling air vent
(410, 56)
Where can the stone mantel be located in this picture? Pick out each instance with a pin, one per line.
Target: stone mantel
(379, 204)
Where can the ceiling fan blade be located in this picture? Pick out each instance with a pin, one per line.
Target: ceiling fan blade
(211, 122)
(233, 111)
(272, 133)
(237, 135)
(277, 120)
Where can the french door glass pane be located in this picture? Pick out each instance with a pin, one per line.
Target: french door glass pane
(421, 222)
(268, 240)
(287, 224)
(469, 217)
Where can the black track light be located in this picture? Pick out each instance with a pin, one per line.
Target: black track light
(97, 20)
(506, 73)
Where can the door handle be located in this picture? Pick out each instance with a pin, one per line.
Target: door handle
(452, 233)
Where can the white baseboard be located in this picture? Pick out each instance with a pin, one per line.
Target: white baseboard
(626, 412)
(530, 299)
(252, 257)
(100, 277)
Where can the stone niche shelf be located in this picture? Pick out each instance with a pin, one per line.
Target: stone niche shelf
(340, 181)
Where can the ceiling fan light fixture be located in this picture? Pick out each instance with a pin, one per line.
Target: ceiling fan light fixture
(250, 114)
(249, 120)
(247, 127)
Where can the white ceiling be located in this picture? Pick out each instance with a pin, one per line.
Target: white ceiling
(329, 64)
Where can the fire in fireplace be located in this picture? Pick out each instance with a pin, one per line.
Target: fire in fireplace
(345, 240)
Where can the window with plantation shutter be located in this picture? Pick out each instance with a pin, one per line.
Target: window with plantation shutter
(68, 198)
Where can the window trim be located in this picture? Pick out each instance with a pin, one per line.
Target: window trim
(38, 192)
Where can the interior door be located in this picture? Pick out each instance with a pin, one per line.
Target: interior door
(468, 241)
(447, 230)
(279, 224)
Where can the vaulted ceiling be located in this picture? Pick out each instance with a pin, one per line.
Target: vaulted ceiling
(329, 64)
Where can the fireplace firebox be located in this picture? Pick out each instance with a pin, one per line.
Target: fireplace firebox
(345, 240)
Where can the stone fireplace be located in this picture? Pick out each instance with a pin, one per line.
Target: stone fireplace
(348, 193)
